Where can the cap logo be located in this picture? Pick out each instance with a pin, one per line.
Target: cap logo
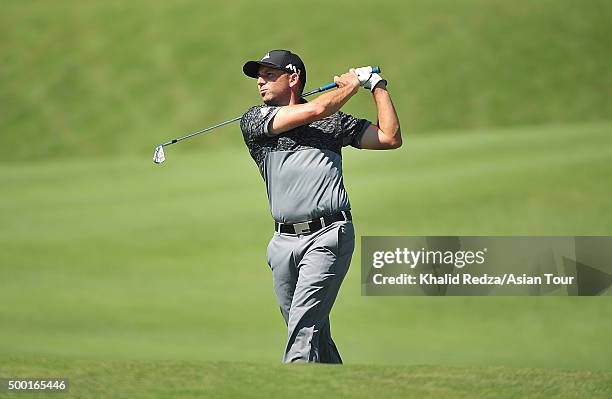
(265, 56)
(292, 67)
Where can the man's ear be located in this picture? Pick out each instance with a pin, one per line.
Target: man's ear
(294, 80)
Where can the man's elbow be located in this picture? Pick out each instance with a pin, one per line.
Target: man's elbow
(395, 141)
(318, 111)
(315, 110)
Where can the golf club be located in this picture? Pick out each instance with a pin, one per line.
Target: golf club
(159, 156)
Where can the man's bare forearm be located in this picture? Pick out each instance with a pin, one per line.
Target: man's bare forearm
(289, 117)
(388, 121)
(329, 103)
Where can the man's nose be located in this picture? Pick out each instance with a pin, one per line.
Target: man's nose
(260, 81)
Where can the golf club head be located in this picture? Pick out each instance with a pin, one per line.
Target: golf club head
(158, 155)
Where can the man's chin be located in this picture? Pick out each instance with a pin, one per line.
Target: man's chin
(273, 100)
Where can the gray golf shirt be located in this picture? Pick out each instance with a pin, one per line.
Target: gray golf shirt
(302, 168)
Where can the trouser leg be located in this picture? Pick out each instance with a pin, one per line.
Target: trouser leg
(284, 271)
(328, 352)
(321, 271)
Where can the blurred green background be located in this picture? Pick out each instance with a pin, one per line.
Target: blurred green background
(506, 111)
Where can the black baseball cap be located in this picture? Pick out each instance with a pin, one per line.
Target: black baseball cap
(284, 60)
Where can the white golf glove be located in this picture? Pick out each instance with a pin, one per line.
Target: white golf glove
(373, 81)
(367, 79)
(363, 74)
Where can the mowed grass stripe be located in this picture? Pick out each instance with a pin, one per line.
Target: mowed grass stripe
(196, 379)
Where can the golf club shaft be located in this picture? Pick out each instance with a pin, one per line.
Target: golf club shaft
(201, 131)
(318, 90)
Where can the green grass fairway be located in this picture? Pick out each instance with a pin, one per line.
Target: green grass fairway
(197, 379)
(124, 259)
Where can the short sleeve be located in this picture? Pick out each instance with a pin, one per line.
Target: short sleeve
(254, 123)
(352, 129)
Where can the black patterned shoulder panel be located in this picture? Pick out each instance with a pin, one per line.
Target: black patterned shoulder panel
(331, 133)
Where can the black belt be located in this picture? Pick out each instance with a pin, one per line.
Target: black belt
(312, 225)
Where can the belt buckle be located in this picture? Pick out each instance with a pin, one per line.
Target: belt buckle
(302, 228)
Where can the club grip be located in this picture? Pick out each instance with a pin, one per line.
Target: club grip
(328, 86)
(333, 84)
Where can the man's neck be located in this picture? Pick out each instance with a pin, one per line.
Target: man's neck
(296, 99)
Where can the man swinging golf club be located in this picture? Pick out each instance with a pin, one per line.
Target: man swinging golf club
(297, 147)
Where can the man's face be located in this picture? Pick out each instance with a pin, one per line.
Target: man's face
(273, 86)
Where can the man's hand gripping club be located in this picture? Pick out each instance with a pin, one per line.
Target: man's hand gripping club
(368, 79)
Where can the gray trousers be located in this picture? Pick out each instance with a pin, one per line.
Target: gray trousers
(307, 271)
